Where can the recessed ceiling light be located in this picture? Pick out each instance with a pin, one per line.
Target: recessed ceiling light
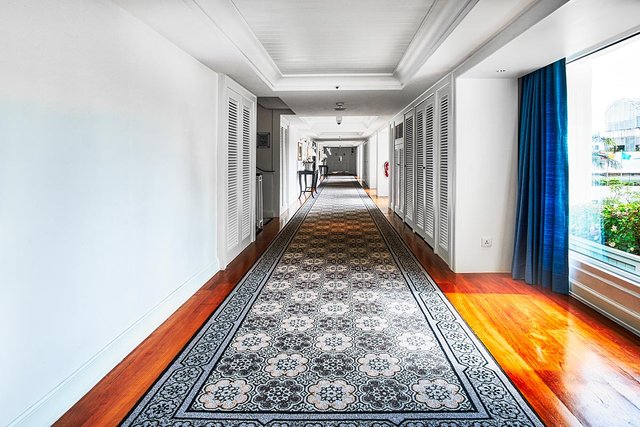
(501, 70)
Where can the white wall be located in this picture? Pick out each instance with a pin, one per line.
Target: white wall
(360, 161)
(580, 110)
(486, 150)
(374, 153)
(268, 159)
(372, 161)
(383, 182)
(108, 206)
(293, 165)
(364, 158)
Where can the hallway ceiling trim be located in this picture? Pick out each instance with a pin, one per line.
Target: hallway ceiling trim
(344, 143)
(440, 19)
(332, 37)
(325, 127)
(576, 26)
(215, 33)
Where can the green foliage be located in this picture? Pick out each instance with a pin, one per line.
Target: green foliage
(609, 143)
(602, 161)
(607, 182)
(614, 222)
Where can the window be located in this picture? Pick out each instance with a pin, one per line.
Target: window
(604, 157)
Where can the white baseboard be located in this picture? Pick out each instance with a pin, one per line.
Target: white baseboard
(605, 313)
(612, 294)
(605, 306)
(283, 209)
(57, 401)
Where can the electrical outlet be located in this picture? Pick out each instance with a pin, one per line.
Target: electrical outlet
(486, 242)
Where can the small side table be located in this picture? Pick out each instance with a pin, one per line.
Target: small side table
(324, 170)
(314, 181)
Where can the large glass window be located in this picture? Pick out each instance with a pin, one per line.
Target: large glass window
(604, 156)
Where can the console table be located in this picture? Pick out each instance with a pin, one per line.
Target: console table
(324, 170)
(314, 181)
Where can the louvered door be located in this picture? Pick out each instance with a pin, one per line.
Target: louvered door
(283, 169)
(419, 171)
(409, 178)
(444, 132)
(395, 194)
(399, 162)
(429, 173)
(398, 170)
(240, 198)
(233, 173)
(248, 176)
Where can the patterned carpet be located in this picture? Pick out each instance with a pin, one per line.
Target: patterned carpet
(335, 325)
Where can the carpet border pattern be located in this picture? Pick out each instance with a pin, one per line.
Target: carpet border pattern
(475, 363)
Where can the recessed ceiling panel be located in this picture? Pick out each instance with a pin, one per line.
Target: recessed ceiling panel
(326, 127)
(334, 36)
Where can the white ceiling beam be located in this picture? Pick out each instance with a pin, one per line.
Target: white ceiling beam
(341, 82)
(440, 21)
(224, 15)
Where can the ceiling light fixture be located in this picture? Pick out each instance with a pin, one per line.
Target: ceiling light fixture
(339, 108)
(501, 70)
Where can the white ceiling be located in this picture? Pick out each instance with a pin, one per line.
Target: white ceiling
(577, 26)
(326, 127)
(381, 54)
(334, 36)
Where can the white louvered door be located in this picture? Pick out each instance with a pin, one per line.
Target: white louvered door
(399, 180)
(248, 177)
(401, 177)
(283, 168)
(409, 178)
(397, 171)
(429, 173)
(444, 176)
(396, 179)
(419, 171)
(240, 211)
(422, 176)
(233, 173)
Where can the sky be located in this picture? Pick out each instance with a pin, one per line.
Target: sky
(616, 74)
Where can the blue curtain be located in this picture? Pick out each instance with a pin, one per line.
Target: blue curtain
(541, 251)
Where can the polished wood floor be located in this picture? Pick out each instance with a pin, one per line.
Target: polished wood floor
(574, 366)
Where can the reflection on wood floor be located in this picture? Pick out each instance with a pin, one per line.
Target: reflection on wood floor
(572, 364)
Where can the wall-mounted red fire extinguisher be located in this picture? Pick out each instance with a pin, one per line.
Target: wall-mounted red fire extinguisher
(386, 169)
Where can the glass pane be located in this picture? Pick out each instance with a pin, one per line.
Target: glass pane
(604, 155)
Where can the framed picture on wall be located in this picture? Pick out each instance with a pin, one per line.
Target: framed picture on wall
(264, 140)
(299, 150)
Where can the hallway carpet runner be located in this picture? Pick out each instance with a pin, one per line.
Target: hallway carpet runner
(337, 324)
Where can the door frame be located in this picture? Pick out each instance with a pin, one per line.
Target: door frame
(227, 87)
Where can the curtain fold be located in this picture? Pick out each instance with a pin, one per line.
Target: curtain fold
(541, 250)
